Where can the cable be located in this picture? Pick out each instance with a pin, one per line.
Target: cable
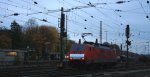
(78, 23)
(92, 16)
(22, 7)
(86, 12)
(93, 19)
(144, 10)
(98, 9)
(16, 14)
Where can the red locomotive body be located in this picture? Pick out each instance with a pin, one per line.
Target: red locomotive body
(91, 54)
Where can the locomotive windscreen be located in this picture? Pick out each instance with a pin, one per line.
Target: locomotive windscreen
(77, 47)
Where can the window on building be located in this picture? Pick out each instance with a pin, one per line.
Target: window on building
(12, 53)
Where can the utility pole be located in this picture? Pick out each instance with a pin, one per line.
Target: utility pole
(148, 47)
(62, 35)
(121, 47)
(100, 32)
(106, 35)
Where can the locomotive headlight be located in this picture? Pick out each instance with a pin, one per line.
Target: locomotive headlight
(82, 58)
(71, 58)
(66, 57)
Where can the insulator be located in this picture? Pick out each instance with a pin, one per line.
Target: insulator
(1, 21)
(15, 14)
(35, 2)
(147, 2)
(44, 20)
(118, 10)
(119, 2)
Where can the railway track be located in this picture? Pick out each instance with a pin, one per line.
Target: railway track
(69, 72)
(15, 71)
(129, 73)
(49, 71)
(53, 72)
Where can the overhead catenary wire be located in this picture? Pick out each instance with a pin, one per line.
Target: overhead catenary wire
(97, 9)
(88, 13)
(16, 6)
(18, 14)
(20, 7)
(144, 10)
(39, 12)
(77, 22)
(43, 14)
(34, 17)
(36, 13)
(91, 4)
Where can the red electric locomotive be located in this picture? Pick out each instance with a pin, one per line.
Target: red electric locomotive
(92, 53)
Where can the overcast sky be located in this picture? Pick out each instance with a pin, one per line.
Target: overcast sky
(114, 16)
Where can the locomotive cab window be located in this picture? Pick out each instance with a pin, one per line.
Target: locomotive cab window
(77, 47)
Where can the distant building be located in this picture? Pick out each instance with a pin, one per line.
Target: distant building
(11, 56)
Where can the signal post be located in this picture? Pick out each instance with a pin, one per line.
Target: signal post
(62, 36)
(127, 31)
